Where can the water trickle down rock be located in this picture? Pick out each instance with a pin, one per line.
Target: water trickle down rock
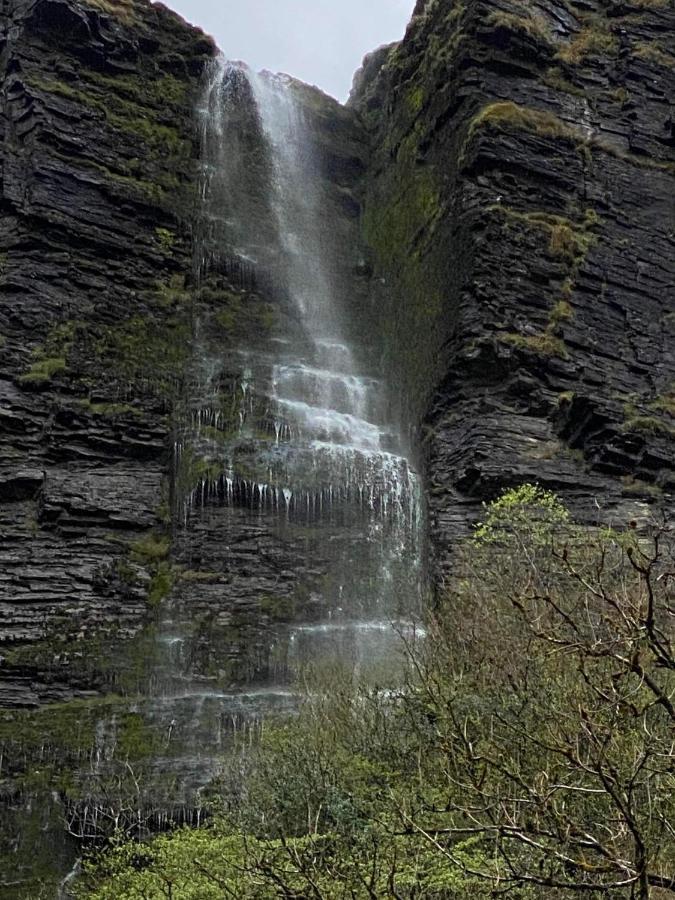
(288, 434)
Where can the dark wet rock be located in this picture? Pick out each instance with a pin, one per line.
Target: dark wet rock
(521, 210)
(98, 171)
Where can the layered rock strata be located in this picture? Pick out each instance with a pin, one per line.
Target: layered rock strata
(511, 166)
(521, 208)
(97, 183)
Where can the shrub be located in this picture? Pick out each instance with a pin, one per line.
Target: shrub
(528, 753)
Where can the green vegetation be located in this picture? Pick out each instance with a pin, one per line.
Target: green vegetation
(529, 751)
(415, 99)
(594, 39)
(109, 410)
(555, 78)
(619, 95)
(151, 548)
(400, 222)
(152, 552)
(640, 414)
(531, 24)
(654, 52)
(123, 9)
(545, 344)
(567, 240)
(147, 351)
(240, 314)
(650, 425)
(507, 115)
(528, 508)
(162, 583)
(561, 312)
(171, 294)
(166, 238)
(571, 241)
(43, 370)
(665, 402)
(50, 358)
(194, 469)
(147, 113)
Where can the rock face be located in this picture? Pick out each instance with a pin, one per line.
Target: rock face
(521, 207)
(98, 174)
(98, 169)
(110, 542)
(511, 167)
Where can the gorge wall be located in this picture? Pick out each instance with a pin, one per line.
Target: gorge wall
(520, 206)
(98, 180)
(510, 167)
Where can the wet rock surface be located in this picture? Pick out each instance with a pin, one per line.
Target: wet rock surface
(97, 180)
(521, 209)
(123, 579)
(98, 175)
(511, 167)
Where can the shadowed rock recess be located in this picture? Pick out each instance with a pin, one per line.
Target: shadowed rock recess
(498, 204)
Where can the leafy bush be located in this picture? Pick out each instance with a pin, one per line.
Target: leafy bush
(530, 751)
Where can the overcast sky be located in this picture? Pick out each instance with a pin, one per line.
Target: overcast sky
(319, 41)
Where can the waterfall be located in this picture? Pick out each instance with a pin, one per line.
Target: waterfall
(287, 447)
(314, 443)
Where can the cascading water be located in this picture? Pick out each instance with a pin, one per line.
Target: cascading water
(286, 456)
(334, 456)
(297, 509)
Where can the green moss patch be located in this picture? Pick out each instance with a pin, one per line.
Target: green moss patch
(545, 344)
(147, 350)
(665, 402)
(593, 40)
(151, 114)
(122, 9)
(109, 410)
(51, 358)
(506, 115)
(530, 24)
(650, 425)
(653, 52)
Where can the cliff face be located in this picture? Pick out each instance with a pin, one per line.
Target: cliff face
(98, 168)
(117, 294)
(512, 169)
(521, 208)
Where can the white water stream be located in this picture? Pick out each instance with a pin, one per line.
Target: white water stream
(327, 413)
(299, 465)
(313, 451)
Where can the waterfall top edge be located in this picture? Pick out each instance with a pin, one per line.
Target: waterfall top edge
(281, 78)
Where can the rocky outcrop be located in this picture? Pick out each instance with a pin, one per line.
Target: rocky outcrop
(97, 187)
(98, 179)
(520, 207)
(114, 299)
